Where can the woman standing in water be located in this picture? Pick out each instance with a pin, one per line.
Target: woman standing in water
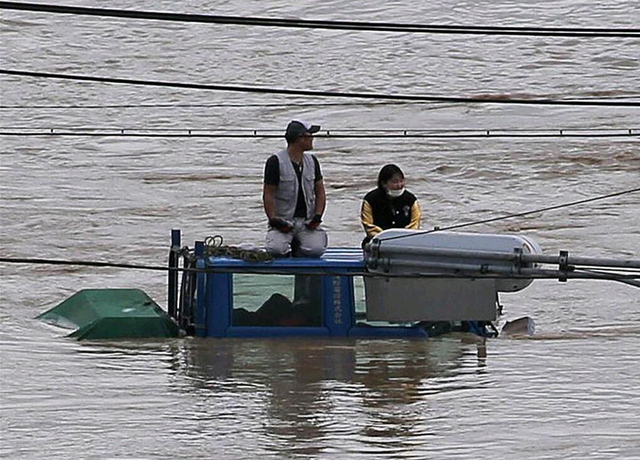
(389, 205)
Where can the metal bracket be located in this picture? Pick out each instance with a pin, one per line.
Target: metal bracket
(517, 260)
(374, 254)
(563, 265)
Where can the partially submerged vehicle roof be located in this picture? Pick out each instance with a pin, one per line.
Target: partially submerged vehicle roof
(111, 314)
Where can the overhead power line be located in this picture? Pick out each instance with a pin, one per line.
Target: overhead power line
(169, 105)
(335, 134)
(316, 93)
(321, 24)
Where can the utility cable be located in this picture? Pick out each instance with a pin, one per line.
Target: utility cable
(333, 25)
(314, 93)
(326, 134)
(85, 263)
(178, 106)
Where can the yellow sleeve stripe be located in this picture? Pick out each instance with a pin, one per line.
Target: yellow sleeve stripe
(366, 217)
(416, 216)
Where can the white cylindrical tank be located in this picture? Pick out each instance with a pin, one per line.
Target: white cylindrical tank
(399, 251)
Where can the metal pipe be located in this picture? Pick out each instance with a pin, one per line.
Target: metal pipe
(387, 264)
(445, 252)
(577, 260)
(403, 267)
(515, 257)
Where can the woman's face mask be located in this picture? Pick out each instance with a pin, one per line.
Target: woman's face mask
(395, 186)
(395, 193)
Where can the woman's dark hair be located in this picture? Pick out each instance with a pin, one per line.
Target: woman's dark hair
(387, 172)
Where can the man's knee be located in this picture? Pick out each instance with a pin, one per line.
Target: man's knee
(277, 244)
(312, 251)
(313, 243)
(281, 250)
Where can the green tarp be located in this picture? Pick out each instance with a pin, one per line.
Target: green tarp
(111, 314)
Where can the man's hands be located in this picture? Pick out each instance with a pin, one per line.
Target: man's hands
(280, 224)
(286, 227)
(313, 223)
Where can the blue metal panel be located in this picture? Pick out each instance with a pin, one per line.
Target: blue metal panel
(219, 303)
(339, 304)
(334, 260)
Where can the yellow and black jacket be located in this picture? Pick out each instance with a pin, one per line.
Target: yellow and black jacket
(381, 212)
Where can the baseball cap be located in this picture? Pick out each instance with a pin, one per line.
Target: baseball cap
(297, 128)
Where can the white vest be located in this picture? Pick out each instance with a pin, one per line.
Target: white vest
(287, 191)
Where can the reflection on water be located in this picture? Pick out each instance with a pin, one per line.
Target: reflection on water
(306, 386)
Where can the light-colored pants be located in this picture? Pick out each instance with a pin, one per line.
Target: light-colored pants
(312, 243)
